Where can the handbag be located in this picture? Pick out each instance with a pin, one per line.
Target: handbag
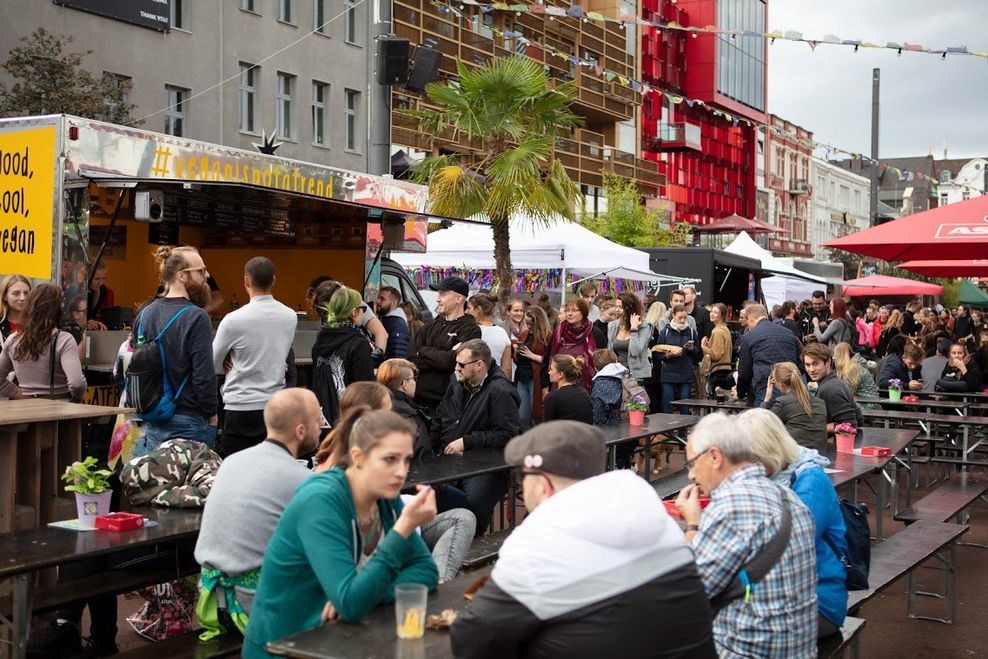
(169, 610)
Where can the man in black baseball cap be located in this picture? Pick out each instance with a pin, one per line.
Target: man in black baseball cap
(597, 569)
(432, 349)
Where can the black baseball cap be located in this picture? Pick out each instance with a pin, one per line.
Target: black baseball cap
(455, 284)
(570, 449)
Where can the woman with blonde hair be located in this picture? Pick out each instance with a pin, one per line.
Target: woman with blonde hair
(568, 400)
(804, 416)
(853, 371)
(892, 327)
(341, 355)
(14, 290)
(801, 469)
(399, 376)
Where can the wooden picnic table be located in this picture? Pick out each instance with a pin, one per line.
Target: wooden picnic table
(671, 425)
(728, 406)
(930, 406)
(966, 396)
(437, 469)
(39, 438)
(24, 554)
(376, 636)
(965, 425)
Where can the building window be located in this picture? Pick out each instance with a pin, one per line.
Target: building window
(176, 14)
(121, 84)
(248, 5)
(175, 98)
(286, 89)
(351, 103)
(350, 21)
(319, 16)
(320, 94)
(286, 11)
(945, 176)
(249, 75)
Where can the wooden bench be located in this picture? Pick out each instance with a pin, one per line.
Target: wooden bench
(900, 554)
(947, 501)
(484, 550)
(836, 645)
(189, 645)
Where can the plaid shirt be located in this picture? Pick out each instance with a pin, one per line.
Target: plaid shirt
(780, 620)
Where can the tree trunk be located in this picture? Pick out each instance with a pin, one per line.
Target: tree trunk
(504, 274)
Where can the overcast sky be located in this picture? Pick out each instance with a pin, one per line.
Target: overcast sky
(924, 101)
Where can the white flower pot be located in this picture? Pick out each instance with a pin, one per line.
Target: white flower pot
(91, 506)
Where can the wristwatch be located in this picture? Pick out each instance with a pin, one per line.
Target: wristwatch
(692, 527)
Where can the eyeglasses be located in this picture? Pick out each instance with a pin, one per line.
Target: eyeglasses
(412, 378)
(201, 270)
(462, 365)
(689, 464)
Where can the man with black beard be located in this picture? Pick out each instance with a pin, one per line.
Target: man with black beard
(188, 348)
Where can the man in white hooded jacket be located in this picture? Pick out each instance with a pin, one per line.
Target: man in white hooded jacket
(598, 568)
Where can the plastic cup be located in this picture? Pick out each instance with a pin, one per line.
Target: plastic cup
(410, 601)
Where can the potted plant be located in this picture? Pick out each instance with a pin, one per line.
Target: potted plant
(92, 490)
(895, 389)
(636, 411)
(845, 433)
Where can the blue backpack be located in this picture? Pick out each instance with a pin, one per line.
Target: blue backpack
(149, 391)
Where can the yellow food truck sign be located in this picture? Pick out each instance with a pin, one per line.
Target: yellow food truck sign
(27, 198)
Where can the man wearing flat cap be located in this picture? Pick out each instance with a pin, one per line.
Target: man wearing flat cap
(597, 569)
(433, 348)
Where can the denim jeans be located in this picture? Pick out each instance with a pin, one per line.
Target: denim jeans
(525, 391)
(675, 391)
(760, 396)
(483, 493)
(180, 426)
(448, 536)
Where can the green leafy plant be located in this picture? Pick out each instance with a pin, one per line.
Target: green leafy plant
(627, 221)
(84, 478)
(637, 403)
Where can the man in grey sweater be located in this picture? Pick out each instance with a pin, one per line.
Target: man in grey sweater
(251, 344)
(251, 491)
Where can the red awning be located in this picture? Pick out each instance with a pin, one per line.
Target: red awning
(976, 268)
(734, 224)
(955, 231)
(879, 285)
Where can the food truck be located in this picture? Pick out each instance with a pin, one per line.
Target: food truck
(74, 192)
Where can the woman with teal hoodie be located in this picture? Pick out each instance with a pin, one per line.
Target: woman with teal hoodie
(801, 469)
(345, 539)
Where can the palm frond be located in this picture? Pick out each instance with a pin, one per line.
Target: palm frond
(455, 191)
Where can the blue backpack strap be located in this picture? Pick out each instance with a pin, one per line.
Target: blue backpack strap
(172, 320)
(161, 351)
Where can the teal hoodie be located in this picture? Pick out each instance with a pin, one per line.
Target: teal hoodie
(312, 558)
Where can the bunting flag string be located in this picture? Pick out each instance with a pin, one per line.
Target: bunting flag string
(580, 13)
(526, 281)
(645, 88)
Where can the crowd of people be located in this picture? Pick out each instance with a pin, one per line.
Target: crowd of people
(287, 544)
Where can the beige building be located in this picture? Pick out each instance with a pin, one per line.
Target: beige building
(311, 95)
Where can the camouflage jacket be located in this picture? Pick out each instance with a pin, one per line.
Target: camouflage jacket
(178, 474)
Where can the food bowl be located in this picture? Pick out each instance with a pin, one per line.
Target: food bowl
(670, 505)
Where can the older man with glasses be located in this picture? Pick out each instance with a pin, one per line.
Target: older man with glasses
(479, 410)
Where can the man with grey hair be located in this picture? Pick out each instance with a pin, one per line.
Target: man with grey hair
(479, 410)
(597, 569)
(754, 546)
(764, 345)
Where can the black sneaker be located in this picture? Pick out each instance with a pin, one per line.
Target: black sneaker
(59, 640)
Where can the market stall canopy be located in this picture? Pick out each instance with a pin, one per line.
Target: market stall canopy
(879, 285)
(974, 268)
(955, 231)
(972, 295)
(743, 245)
(734, 224)
(561, 245)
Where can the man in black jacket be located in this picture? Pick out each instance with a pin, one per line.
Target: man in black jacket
(480, 410)
(582, 576)
(764, 345)
(818, 309)
(433, 346)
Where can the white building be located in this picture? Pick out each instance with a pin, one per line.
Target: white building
(839, 204)
(958, 180)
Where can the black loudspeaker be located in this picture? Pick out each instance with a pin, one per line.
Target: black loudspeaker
(424, 69)
(392, 60)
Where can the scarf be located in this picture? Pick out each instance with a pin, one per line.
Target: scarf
(679, 327)
(207, 607)
(516, 333)
(568, 340)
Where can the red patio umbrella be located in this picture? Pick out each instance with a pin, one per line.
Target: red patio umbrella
(976, 268)
(734, 224)
(956, 231)
(879, 285)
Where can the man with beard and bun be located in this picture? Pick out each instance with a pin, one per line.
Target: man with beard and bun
(251, 490)
(188, 348)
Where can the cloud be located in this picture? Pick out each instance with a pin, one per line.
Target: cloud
(925, 102)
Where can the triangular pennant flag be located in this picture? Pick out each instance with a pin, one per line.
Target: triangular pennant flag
(575, 11)
(536, 9)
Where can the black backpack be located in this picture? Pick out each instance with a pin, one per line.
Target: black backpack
(857, 561)
(149, 391)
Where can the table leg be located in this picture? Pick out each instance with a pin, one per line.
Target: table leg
(882, 497)
(23, 603)
(8, 478)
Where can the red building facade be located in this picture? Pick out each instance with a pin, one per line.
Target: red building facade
(708, 160)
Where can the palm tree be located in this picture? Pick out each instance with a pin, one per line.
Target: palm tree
(508, 110)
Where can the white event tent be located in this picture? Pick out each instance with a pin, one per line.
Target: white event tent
(577, 251)
(786, 282)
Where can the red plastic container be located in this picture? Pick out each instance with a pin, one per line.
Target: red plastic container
(670, 505)
(119, 522)
(876, 451)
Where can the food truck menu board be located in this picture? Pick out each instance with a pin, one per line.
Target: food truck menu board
(243, 218)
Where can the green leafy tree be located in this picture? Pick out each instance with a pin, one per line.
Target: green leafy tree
(508, 110)
(627, 221)
(48, 79)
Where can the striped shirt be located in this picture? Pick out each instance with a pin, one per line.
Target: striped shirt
(780, 620)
